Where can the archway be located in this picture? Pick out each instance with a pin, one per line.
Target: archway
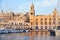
(36, 27)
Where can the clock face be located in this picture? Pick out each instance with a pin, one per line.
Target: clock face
(31, 13)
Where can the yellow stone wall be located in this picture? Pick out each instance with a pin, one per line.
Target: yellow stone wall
(35, 20)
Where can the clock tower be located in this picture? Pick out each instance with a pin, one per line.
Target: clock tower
(32, 15)
(32, 11)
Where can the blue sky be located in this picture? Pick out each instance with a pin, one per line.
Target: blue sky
(41, 6)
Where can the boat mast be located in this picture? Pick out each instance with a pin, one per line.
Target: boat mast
(58, 5)
(1, 9)
(6, 5)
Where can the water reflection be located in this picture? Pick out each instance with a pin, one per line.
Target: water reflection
(29, 36)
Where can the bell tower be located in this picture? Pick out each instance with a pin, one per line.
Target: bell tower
(32, 15)
(32, 11)
(55, 17)
(55, 13)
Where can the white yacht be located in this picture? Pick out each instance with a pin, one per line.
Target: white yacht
(2, 28)
(57, 30)
(5, 31)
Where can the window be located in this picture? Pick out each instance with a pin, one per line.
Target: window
(19, 23)
(49, 27)
(31, 23)
(31, 8)
(58, 28)
(45, 23)
(49, 23)
(21, 17)
(36, 23)
(41, 18)
(49, 18)
(58, 22)
(36, 27)
(12, 23)
(45, 27)
(1, 19)
(45, 18)
(59, 18)
(54, 27)
(54, 18)
(15, 24)
(54, 22)
(27, 20)
(41, 27)
(36, 19)
(41, 23)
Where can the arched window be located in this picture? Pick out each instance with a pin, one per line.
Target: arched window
(41, 18)
(36, 19)
(45, 23)
(15, 24)
(49, 18)
(45, 27)
(45, 18)
(54, 27)
(49, 27)
(19, 23)
(31, 23)
(36, 27)
(54, 19)
(49, 23)
(36, 23)
(59, 18)
(58, 22)
(41, 23)
(12, 23)
(41, 27)
(54, 22)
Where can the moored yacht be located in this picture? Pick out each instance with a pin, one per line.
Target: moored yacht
(21, 30)
(57, 31)
(52, 31)
(12, 31)
(5, 31)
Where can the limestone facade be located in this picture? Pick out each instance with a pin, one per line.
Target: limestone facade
(29, 20)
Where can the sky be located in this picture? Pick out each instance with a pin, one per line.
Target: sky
(40, 6)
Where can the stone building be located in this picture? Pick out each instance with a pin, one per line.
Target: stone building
(44, 21)
(30, 20)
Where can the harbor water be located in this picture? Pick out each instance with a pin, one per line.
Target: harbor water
(29, 36)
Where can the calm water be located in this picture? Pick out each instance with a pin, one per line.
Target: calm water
(29, 36)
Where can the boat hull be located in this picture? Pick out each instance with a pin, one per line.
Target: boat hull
(4, 32)
(57, 32)
(52, 32)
